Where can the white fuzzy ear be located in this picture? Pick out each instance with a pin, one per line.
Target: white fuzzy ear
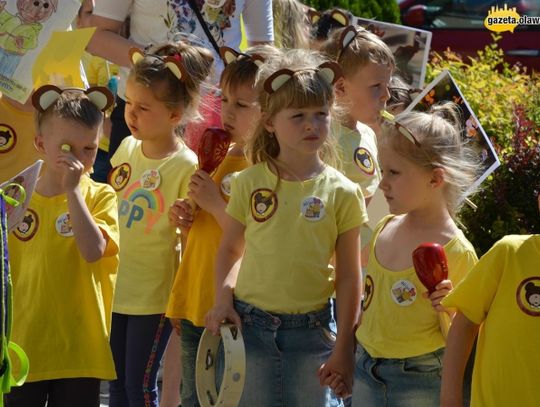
(330, 71)
(228, 55)
(135, 55)
(347, 36)
(100, 96)
(277, 80)
(45, 96)
(340, 18)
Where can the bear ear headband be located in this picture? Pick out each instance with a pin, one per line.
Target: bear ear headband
(330, 72)
(340, 17)
(46, 95)
(229, 55)
(172, 62)
(314, 16)
(346, 38)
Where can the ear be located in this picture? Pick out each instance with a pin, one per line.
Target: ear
(135, 55)
(340, 87)
(174, 64)
(330, 71)
(45, 96)
(277, 80)
(100, 96)
(268, 123)
(38, 142)
(257, 60)
(314, 16)
(228, 55)
(347, 36)
(437, 178)
(340, 17)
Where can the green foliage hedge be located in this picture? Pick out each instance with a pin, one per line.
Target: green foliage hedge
(382, 10)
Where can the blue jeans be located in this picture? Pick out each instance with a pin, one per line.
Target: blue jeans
(190, 337)
(283, 355)
(409, 382)
(137, 343)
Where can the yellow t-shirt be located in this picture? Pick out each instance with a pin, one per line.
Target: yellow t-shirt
(146, 188)
(358, 152)
(503, 293)
(291, 237)
(98, 71)
(192, 294)
(61, 303)
(17, 133)
(397, 322)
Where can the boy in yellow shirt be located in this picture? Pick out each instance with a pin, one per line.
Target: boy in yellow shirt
(64, 257)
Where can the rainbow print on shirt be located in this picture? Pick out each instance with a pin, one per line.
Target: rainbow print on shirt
(141, 205)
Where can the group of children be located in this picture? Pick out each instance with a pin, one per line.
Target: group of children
(267, 240)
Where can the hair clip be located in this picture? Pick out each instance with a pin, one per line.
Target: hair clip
(340, 17)
(230, 55)
(346, 38)
(404, 131)
(46, 95)
(330, 72)
(172, 62)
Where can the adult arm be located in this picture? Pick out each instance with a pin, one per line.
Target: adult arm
(258, 22)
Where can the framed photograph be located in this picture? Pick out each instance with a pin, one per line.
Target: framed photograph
(410, 47)
(444, 88)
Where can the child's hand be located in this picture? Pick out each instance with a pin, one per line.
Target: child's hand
(338, 372)
(181, 214)
(441, 290)
(72, 168)
(175, 322)
(204, 192)
(219, 314)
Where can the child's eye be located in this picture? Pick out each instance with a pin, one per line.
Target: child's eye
(323, 113)
(393, 172)
(224, 99)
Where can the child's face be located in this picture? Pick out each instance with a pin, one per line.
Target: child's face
(365, 93)
(300, 131)
(239, 111)
(147, 117)
(83, 141)
(406, 186)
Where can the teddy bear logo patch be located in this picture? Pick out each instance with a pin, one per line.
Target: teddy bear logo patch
(263, 204)
(528, 296)
(28, 226)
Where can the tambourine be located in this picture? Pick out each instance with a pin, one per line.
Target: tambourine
(232, 385)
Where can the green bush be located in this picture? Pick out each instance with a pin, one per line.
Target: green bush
(383, 10)
(506, 100)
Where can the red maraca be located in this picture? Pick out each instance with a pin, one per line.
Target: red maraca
(213, 148)
(431, 268)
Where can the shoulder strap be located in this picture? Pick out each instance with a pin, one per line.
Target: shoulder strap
(203, 24)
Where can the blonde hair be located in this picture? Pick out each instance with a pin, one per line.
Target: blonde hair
(166, 87)
(364, 48)
(291, 24)
(306, 88)
(439, 134)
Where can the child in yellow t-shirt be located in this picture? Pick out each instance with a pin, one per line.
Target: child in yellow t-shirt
(64, 258)
(288, 214)
(500, 298)
(426, 172)
(151, 170)
(192, 294)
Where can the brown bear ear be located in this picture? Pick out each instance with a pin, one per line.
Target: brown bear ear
(45, 96)
(228, 55)
(175, 65)
(257, 60)
(314, 16)
(340, 17)
(347, 36)
(277, 80)
(100, 96)
(330, 71)
(135, 55)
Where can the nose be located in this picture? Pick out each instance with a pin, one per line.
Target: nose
(385, 95)
(383, 185)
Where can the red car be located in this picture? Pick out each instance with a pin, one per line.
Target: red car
(459, 25)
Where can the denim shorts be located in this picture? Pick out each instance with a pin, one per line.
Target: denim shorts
(409, 382)
(283, 355)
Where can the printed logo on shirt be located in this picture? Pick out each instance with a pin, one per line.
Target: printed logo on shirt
(28, 226)
(151, 179)
(141, 205)
(263, 204)
(528, 296)
(226, 185)
(8, 138)
(364, 160)
(403, 292)
(119, 176)
(63, 225)
(313, 208)
(369, 287)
